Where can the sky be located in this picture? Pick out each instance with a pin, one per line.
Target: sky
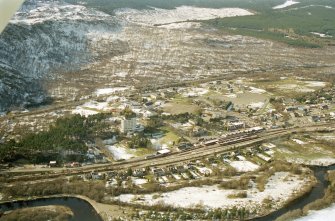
(7, 10)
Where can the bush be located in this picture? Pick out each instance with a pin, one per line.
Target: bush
(240, 184)
(290, 215)
(242, 194)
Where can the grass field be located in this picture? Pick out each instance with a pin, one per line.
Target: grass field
(304, 149)
(293, 25)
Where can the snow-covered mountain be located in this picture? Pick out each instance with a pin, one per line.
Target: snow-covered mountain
(46, 37)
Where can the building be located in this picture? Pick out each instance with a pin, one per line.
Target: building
(128, 125)
(235, 125)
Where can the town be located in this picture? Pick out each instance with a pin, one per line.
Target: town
(183, 137)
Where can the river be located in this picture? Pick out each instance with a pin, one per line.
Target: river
(316, 193)
(83, 211)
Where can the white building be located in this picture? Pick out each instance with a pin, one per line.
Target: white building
(128, 125)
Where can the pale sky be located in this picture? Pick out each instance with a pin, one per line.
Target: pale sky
(7, 10)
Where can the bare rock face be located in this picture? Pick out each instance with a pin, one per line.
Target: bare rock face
(18, 89)
(46, 37)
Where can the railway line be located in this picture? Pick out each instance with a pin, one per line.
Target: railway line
(221, 145)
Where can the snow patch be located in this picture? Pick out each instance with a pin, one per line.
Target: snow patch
(196, 92)
(244, 166)
(299, 141)
(255, 90)
(184, 25)
(42, 11)
(84, 112)
(256, 105)
(316, 84)
(286, 4)
(119, 153)
(106, 91)
(320, 215)
(278, 188)
(158, 16)
(321, 35)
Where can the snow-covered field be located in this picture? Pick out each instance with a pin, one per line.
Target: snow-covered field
(84, 112)
(278, 188)
(138, 181)
(325, 161)
(244, 166)
(321, 215)
(91, 108)
(106, 91)
(119, 153)
(195, 92)
(256, 105)
(159, 16)
(184, 25)
(286, 4)
(255, 90)
(316, 84)
(299, 141)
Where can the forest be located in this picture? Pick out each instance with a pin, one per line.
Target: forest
(64, 141)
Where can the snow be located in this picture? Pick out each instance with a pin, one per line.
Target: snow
(204, 170)
(322, 161)
(157, 16)
(106, 91)
(244, 166)
(321, 215)
(286, 4)
(299, 141)
(321, 35)
(184, 25)
(255, 90)
(195, 92)
(91, 108)
(138, 182)
(96, 105)
(84, 112)
(316, 84)
(122, 74)
(263, 157)
(278, 188)
(230, 95)
(55, 11)
(256, 105)
(119, 153)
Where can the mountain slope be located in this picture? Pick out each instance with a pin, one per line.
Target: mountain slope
(48, 37)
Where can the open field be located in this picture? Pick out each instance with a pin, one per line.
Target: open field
(307, 149)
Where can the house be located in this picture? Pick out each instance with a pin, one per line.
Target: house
(139, 172)
(53, 163)
(291, 108)
(235, 125)
(158, 172)
(97, 176)
(163, 152)
(316, 118)
(128, 125)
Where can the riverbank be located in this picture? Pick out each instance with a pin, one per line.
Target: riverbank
(108, 210)
(83, 209)
(41, 213)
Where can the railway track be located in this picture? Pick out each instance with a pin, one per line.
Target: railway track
(224, 145)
